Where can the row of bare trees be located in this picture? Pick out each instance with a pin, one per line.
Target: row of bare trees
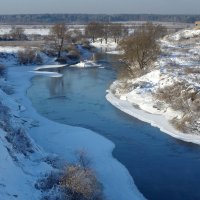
(60, 34)
(96, 30)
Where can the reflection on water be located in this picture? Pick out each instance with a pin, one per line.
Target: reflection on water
(56, 86)
(163, 168)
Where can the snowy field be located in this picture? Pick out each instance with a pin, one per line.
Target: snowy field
(37, 29)
(180, 54)
(10, 49)
(27, 31)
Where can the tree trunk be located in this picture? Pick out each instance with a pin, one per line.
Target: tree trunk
(59, 54)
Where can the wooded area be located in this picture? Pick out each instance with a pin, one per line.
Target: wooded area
(85, 18)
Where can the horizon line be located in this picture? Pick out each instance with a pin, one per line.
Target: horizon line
(95, 14)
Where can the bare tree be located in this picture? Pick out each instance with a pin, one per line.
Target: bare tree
(141, 49)
(58, 35)
(106, 31)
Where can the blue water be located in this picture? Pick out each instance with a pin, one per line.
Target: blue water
(162, 167)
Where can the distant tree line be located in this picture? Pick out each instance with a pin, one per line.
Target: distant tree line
(86, 18)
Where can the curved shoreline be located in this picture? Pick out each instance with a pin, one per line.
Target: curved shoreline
(155, 120)
(64, 140)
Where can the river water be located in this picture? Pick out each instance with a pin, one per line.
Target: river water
(162, 167)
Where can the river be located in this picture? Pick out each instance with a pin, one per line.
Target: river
(162, 167)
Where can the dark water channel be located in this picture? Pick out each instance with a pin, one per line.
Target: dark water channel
(162, 167)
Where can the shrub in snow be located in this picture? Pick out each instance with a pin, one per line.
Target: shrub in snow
(185, 98)
(16, 136)
(29, 57)
(74, 54)
(48, 181)
(86, 44)
(192, 70)
(4, 118)
(123, 87)
(70, 47)
(7, 89)
(76, 182)
(50, 187)
(49, 52)
(56, 193)
(174, 95)
(130, 71)
(81, 183)
(19, 140)
(54, 161)
(183, 123)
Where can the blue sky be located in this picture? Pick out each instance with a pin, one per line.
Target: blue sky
(100, 6)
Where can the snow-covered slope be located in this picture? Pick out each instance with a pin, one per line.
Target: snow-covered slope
(21, 161)
(179, 62)
(184, 34)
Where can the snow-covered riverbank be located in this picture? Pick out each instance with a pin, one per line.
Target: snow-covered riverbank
(156, 120)
(64, 141)
(136, 96)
